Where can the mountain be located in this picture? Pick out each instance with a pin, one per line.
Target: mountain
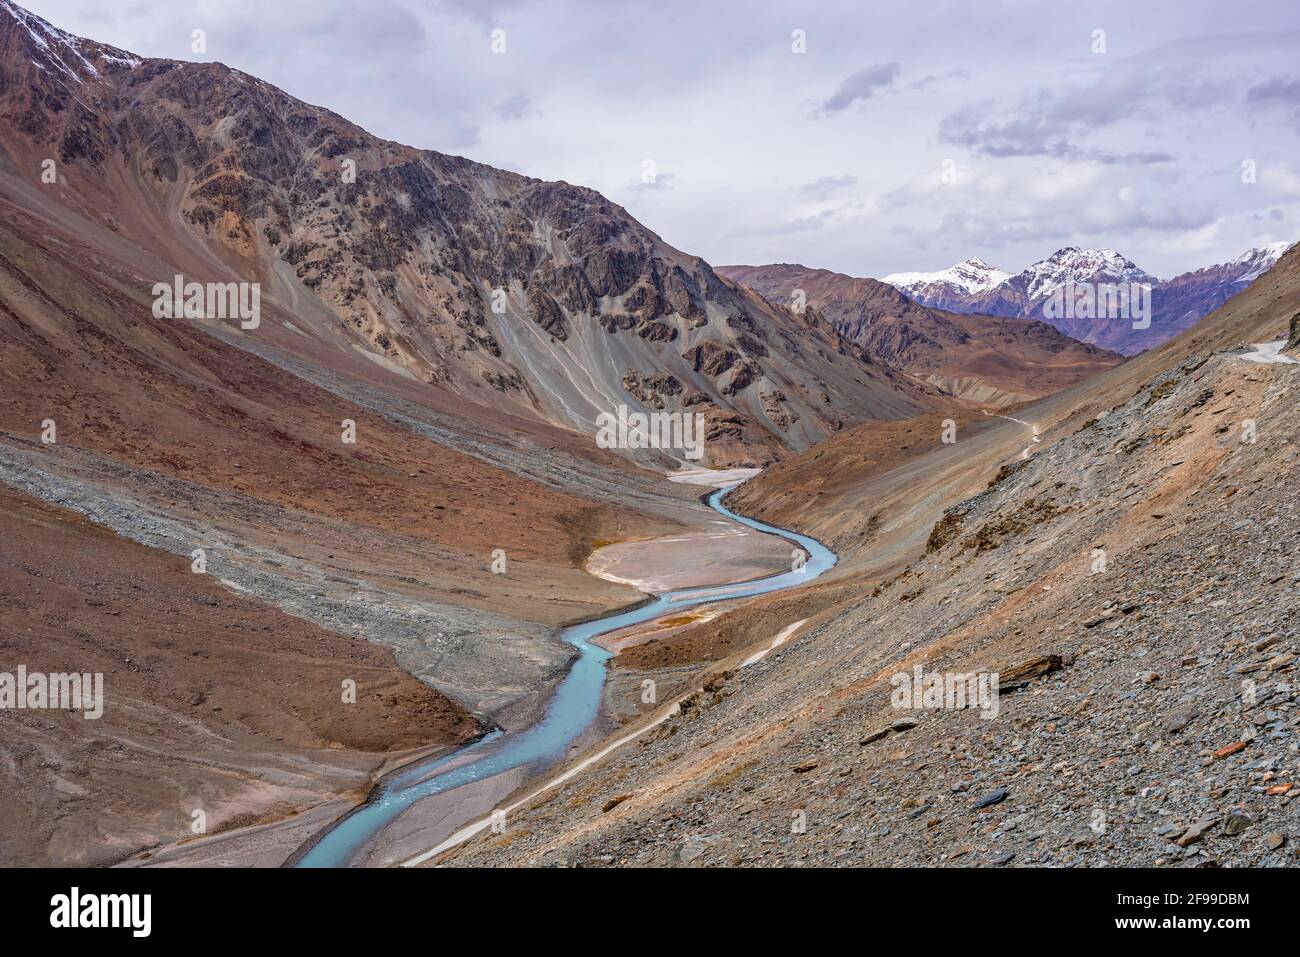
(1131, 580)
(1076, 265)
(541, 298)
(987, 359)
(1179, 303)
(949, 286)
(212, 515)
(1039, 293)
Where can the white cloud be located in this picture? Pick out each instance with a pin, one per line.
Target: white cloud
(1035, 124)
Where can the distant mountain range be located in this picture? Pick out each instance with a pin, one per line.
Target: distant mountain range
(996, 359)
(1039, 292)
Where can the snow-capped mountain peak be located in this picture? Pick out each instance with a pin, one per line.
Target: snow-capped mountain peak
(971, 277)
(1178, 302)
(1255, 262)
(66, 55)
(1072, 264)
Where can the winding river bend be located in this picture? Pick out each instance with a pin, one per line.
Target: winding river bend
(572, 709)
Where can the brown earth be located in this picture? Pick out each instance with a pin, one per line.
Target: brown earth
(1153, 719)
(165, 396)
(211, 701)
(985, 359)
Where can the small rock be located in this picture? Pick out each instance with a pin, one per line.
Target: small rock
(694, 846)
(1237, 822)
(1229, 750)
(993, 797)
(1273, 840)
(1280, 662)
(1196, 831)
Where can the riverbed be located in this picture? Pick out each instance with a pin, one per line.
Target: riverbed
(571, 711)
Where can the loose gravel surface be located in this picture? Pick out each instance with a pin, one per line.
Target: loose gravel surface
(1136, 585)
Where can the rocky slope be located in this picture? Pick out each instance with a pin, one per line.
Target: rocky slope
(542, 298)
(1176, 304)
(212, 702)
(1133, 582)
(350, 512)
(986, 359)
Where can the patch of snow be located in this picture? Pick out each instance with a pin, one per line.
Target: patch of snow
(63, 48)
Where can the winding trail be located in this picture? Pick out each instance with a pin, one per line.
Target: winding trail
(1269, 353)
(1028, 450)
(571, 711)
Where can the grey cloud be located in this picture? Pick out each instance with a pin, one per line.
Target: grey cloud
(827, 186)
(1064, 219)
(1286, 90)
(515, 107)
(1043, 125)
(862, 85)
(1052, 122)
(1283, 91)
(801, 224)
(933, 79)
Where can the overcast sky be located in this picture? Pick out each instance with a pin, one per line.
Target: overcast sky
(908, 136)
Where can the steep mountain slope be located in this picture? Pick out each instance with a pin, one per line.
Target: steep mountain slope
(1133, 583)
(368, 561)
(361, 522)
(982, 358)
(541, 298)
(212, 702)
(1158, 697)
(1176, 304)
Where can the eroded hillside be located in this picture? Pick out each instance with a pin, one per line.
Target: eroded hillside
(1133, 581)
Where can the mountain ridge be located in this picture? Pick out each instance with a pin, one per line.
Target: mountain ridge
(1177, 303)
(545, 298)
(990, 359)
